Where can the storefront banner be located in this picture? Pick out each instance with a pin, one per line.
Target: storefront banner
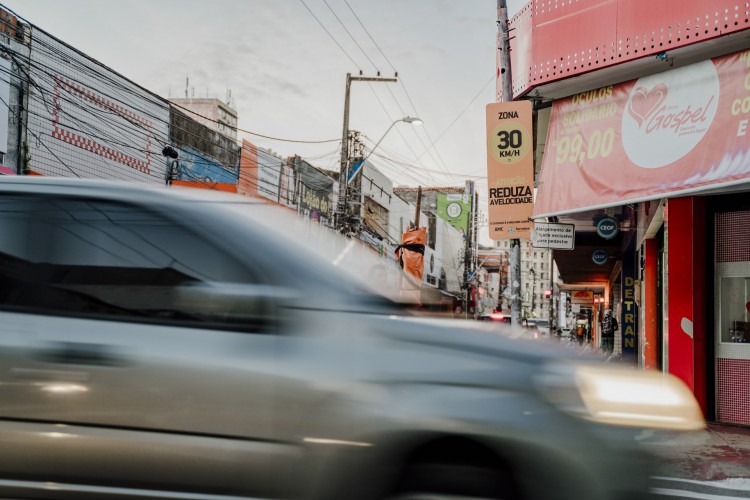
(510, 169)
(582, 297)
(674, 133)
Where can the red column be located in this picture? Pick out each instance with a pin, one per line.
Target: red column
(650, 305)
(686, 284)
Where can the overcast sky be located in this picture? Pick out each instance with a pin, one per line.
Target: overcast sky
(287, 75)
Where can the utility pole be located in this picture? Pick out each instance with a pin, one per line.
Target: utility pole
(344, 173)
(469, 248)
(551, 289)
(419, 207)
(354, 186)
(507, 95)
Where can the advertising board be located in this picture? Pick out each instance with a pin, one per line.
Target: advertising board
(582, 297)
(669, 134)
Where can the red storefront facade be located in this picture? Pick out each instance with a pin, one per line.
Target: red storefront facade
(646, 108)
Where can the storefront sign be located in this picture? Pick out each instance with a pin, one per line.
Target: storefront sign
(672, 133)
(607, 228)
(599, 257)
(582, 297)
(555, 236)
(510, 169)
(629, 321)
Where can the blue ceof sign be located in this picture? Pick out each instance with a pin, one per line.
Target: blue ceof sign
(607, 228)
(599, 257)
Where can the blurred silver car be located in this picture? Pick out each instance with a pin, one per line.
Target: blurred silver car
(158, 343)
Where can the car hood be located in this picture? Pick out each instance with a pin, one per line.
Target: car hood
(473, 337)
(445, 351)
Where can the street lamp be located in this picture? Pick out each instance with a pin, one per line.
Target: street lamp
(407, 119)
(350, 176)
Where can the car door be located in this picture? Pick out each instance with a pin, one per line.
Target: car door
(108, 376)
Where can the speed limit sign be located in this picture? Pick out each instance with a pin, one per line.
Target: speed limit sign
(510, 142)
(510, 169)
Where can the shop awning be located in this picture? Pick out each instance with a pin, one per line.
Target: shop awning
(681, 132)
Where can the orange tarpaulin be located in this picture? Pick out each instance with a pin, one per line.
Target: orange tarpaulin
(410, 253)
(410, 256)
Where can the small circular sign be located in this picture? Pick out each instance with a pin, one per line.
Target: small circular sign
(509, 142)
(599, 257)
(453, 210)
(607, 228)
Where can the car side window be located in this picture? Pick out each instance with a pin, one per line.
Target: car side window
(101, 258)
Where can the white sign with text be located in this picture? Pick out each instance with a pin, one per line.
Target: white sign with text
(552, 235)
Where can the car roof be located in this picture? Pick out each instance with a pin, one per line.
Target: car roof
(115, 189)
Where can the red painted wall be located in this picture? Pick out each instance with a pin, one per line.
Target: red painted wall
(685, 219)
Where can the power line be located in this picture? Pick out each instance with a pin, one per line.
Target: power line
(440, 163)
(79, 65)
(492, 79)
(351, 36)
(38, 138)
(330, 35)
(281, 139)
(369, 35)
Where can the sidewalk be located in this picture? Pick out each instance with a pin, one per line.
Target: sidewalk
(720, 452)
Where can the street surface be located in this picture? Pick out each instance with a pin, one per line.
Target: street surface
(713, 464)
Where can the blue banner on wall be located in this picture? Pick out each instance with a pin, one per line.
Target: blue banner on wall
(197, 167)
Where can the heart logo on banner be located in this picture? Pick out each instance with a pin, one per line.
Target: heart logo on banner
(645, 102)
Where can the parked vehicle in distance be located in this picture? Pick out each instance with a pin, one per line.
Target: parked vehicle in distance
(173, 344)
(496, 317)
(543, 326)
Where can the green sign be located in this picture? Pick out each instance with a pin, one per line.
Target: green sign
(453, 209)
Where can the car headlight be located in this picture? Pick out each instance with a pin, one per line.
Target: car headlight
(619, 396)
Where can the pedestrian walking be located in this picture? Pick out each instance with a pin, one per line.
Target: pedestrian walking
(609, 326)
(580, 333)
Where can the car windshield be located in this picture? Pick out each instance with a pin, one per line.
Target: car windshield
(317, 253)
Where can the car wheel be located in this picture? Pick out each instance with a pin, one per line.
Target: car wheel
(454, 482)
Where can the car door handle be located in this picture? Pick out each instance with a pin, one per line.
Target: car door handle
(77, 353)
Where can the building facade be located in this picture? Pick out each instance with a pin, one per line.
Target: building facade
(211, 112)
(646, 152)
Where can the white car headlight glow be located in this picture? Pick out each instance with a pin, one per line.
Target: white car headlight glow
(618, 396)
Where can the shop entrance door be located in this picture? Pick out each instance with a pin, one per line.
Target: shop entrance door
(732, 316)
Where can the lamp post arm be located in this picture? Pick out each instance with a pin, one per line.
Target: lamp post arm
(371, 151)
(381, 140)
